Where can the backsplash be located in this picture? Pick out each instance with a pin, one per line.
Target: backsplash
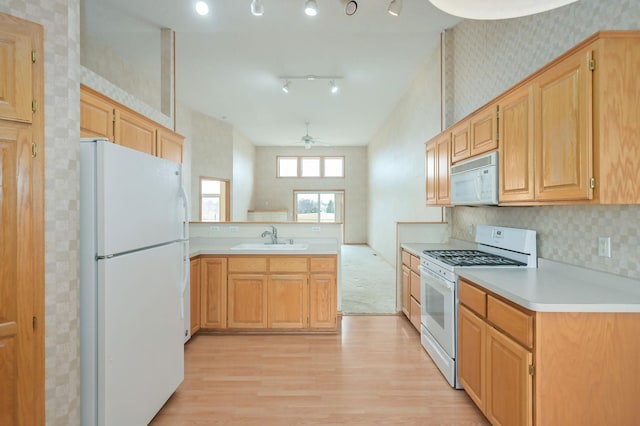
(566, 234)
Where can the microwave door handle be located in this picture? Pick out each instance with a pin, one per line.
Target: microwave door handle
(478, 186)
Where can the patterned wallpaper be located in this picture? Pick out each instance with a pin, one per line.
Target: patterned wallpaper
(61, 21)
(486, 58)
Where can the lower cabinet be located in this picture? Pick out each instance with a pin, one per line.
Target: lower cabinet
(411, 288)
(267, 292)
(194, 291)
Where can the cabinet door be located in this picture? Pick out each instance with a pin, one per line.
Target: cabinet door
(414, 313)
(509, 386)
(16, 85)
(471, 353)
(170, 145)
(323, 302)
(135, 132)
(406, 290)
(96, 115)
(460, 143)
(213, 292)
(194, 288)
(8, 374)
(516, 166)
(484, 130)
(247, 301)
(563, 136)
(288, 301)
(431, 177)
(443, 160)
(415, 285)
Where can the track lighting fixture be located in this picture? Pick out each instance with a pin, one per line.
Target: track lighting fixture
(285, 86)
(311, 8)
(257, 8)
(395, 7)
(202, 8)
(333, 87)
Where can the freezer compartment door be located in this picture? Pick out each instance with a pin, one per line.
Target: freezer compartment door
(139, 200)
(140, 329)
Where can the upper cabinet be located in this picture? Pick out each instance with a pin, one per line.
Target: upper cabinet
(437, 163)
(568, 134)
(17, 56)
(103, 117)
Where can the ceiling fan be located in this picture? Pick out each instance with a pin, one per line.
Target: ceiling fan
(309, 141)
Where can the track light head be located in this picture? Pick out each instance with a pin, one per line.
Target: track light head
(311, 8)
(395, 7)
(332, 85)
(285, 86)
(351, 8)
(257, 8)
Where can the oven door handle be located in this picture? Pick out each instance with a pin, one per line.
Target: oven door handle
(439, 280)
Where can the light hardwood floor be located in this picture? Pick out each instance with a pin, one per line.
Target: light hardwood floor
(374, 373)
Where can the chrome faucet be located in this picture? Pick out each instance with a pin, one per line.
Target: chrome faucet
(273, 234)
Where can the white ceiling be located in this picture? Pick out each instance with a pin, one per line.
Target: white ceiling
(228, 62)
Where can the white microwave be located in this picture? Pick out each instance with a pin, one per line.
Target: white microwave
(475, 181)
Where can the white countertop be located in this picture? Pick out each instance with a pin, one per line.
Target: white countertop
(222, 246)
(558, 287)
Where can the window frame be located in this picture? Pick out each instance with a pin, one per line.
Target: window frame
(223, 197)
(299, 159)
(319, 192)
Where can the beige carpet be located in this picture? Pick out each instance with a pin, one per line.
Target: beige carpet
(368, 282)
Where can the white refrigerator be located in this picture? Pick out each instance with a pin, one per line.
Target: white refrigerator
(134, 273)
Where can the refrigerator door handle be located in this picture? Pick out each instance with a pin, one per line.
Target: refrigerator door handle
(185, 222)
(185, 275)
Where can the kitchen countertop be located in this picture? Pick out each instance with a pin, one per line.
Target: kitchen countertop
(222, 246)
(558, 287)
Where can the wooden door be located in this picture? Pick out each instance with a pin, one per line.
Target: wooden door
(213, 292)
(288, 301)
(406, 290)
(471, 355)
(509, 386)
(484, 131)
(563, 130)
(135, 132)
(194, 291)
(247, 301)
(323, 302)
(443, 160)
(170, 145)
(21, 222)
(16, 85)
(516, 165)
(460, 143)
(431, 177)
(96, 115)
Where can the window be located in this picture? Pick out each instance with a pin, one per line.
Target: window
(310, 167)
(317, 207)
(214, 205)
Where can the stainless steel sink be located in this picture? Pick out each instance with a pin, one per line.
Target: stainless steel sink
(270, 247)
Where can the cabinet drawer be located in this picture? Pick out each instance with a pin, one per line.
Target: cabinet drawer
(288, 264)
(406, 258)
(415, 264)
(415, 285)
(474, 298)
(322, 264)
(247, 264)
(513, 321)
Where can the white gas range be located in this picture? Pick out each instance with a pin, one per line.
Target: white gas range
(497, 247)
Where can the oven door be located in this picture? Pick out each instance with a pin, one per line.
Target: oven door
(438, 309)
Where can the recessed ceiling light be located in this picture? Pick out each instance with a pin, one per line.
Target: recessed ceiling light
(202, 8)
(311, 8)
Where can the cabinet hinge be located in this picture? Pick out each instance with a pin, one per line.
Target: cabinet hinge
(592, 183)
(592, 64)
(34, 322)
(34, 105)
(34, 56)
(34, 150)
(532, 370)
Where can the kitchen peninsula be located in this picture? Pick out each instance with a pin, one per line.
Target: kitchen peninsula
(245, 285)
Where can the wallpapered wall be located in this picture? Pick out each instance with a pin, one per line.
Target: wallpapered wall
(486, 58)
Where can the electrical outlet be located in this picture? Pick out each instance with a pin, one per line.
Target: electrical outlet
(604, 246)
(214, 228)
(315, 229)
(233, 229)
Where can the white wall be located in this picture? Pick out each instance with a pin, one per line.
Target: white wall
(396, 161)
(244, 154)
(271, 193)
